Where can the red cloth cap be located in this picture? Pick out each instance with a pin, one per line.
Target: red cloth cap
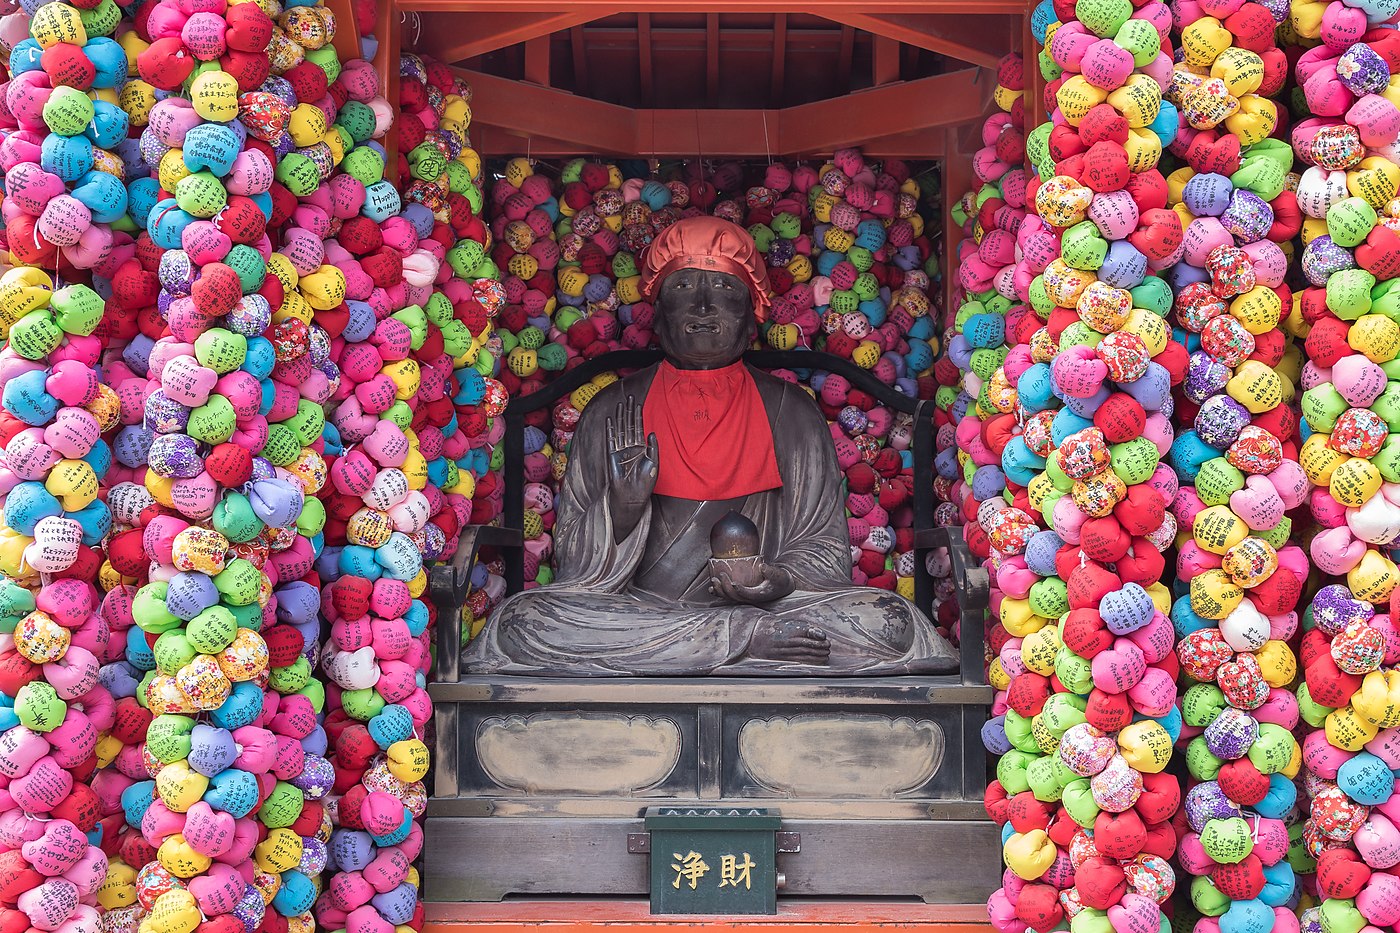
(706, 243)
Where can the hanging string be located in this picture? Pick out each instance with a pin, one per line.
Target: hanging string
(653, 164)
(699, 143)
(417, 26)
(766, 148)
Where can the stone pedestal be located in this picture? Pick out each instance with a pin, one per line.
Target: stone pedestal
(540, 781)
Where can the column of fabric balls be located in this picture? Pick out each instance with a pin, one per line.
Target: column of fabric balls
(1349, 261)
(986, 269)
(53, 707)
(1350, 832)
(1237, 466)
(1238, 405)
(224, 425)
(242, 373)
(1091, 715)
(969, 470)
(377, 656)
(1345, 194)
(435, 109)
(478, 400)
(435, 114)
(63, 129)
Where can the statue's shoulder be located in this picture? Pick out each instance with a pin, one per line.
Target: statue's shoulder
(634, 384)
(786, 398)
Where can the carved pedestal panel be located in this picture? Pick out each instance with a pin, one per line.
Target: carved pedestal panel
(540, 781)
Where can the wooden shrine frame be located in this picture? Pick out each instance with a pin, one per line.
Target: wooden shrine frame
(935, 118)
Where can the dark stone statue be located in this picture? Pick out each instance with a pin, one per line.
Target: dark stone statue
(639, 590)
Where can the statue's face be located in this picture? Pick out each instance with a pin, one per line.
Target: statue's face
(704, 319)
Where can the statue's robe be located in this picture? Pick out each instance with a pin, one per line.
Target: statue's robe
(642, 606)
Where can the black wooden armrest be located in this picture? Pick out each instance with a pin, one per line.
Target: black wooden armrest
(972, 587)
(448, 585)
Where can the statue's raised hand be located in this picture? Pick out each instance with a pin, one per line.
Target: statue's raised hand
(632, 466)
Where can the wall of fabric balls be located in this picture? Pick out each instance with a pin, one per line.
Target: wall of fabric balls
(1176, 350)
(852, 253)
(244, 403)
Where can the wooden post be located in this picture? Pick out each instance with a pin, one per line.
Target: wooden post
(537, 61)
(885, 61)
(389, 31)
(1034, 101)
(957, 180)
(347, 33)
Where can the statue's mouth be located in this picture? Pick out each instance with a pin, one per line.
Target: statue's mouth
(702, 327)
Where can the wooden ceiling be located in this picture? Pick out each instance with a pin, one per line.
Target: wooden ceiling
(776, 77)
(718, 60)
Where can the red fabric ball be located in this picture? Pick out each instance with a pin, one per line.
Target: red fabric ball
(1119, 835)
(1341, 873)
(1100, 882)
(1241, 881)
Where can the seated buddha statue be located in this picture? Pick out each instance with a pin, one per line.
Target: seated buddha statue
(661, 457)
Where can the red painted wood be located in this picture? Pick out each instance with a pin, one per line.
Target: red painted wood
(631, 915)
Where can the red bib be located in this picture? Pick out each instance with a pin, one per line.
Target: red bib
(713, 438)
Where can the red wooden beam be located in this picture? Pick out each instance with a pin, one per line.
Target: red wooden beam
(848, 45)
(471, 33)
(940, 100)
(958, 179)
(634, 916)
(829, 9)
(969, 36)
(745, 141)
(530, 112)
(516, 113)
(579, 50)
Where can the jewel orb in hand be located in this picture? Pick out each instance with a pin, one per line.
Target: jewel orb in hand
(734, 548)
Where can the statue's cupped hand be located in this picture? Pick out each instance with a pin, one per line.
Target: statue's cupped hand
(632, 467)
(776, 583)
